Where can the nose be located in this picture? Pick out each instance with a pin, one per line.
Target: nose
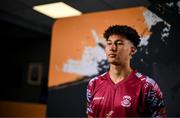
(113, 47)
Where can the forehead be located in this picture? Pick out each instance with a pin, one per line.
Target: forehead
(117, 38)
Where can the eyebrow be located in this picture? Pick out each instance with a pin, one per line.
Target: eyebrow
(115, 40)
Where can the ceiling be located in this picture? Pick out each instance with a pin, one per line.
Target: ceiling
(20, 12)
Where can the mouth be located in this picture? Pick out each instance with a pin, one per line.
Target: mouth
(112, 55)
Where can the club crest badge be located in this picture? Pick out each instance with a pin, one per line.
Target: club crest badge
(126, 102)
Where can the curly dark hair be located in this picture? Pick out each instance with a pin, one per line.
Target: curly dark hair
(130, 33)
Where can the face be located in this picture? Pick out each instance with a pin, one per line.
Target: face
(119, 50)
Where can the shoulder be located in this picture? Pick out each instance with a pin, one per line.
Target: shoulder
(145, 80)
(149, 85)
(98, 79)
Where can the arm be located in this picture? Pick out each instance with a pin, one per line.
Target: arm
(154, 100)
(89, 96)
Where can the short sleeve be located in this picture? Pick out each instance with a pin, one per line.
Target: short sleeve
(89, 96)
(154, 99)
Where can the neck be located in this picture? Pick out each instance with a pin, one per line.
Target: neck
(119, 72)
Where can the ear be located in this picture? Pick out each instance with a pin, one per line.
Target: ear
(133, 50)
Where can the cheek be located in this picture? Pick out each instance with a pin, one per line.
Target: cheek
(106, 50)
(125, 52)
(127, 49)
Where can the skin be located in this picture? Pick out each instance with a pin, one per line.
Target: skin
(119, 51)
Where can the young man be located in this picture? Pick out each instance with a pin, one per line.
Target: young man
(122, 91)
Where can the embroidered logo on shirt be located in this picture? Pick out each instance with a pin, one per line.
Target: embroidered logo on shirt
(126, 102)
(108, 115)
(98, 98)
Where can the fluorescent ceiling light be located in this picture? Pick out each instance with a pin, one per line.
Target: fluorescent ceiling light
(57, 10)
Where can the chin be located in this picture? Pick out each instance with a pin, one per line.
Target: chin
(114, 62)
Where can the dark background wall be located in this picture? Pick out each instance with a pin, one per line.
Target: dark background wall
(20, 47)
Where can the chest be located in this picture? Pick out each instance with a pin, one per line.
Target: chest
(121, 98)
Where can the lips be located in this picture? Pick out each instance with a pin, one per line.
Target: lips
(112, 55)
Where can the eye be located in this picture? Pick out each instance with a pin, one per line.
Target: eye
(109, 43)
(119, 43)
